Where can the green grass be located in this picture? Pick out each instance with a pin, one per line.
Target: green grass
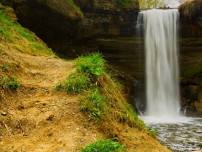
(94, 103)
(24, 40)
(100, 94)
(104, 146)
(76, 83)
(10, 83)
(92, 64)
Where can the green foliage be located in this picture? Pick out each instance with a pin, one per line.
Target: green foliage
(9, 82)
(75, 83)
(94, 103)
(104, 146)
(152, 132)
(93, 64)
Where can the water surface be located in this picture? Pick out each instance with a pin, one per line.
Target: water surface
(181, 135)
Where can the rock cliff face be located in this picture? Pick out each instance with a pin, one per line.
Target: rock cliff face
(191, 58)
(191, 18)
(67, 25)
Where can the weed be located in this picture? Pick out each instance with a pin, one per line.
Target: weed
(104, 146)
(94, 103)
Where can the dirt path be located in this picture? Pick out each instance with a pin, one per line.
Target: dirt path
(38, 118)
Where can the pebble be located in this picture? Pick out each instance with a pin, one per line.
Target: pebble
(3, 113)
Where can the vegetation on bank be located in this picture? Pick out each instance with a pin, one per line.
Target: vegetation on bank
(101, 97)
(20, 38)
(7, 80)
(104, 146)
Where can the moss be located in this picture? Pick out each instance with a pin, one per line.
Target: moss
(192, 71)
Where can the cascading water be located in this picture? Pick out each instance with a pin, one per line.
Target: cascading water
(162, 72)
(160, 28)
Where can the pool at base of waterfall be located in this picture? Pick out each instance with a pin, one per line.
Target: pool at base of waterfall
(183, 134)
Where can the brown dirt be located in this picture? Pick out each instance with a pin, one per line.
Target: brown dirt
(36, 118)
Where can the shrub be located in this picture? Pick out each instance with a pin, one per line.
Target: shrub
(104, 146)
(93, 103)
(9, 82)
(75, 83)
(93, 64)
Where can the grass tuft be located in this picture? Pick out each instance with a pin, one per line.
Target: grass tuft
(104, 146)
(93, 64)
(9, 83)
(75, 83)
(93, 102)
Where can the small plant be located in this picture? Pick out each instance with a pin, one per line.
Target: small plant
(5, 67)
(104, 146)
(9, 82)
(75, 83)
(93, 103)
(93, 64)
(152, 132)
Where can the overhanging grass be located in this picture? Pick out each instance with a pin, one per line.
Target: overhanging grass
(93, 64)
(20, 38)
(93, 103)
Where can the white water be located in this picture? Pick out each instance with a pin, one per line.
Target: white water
(162, 69)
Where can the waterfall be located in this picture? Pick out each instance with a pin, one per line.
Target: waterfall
(162, 69)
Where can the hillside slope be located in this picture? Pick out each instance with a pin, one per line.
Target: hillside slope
(36, 117)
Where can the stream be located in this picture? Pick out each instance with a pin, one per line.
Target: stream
(181, 135)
